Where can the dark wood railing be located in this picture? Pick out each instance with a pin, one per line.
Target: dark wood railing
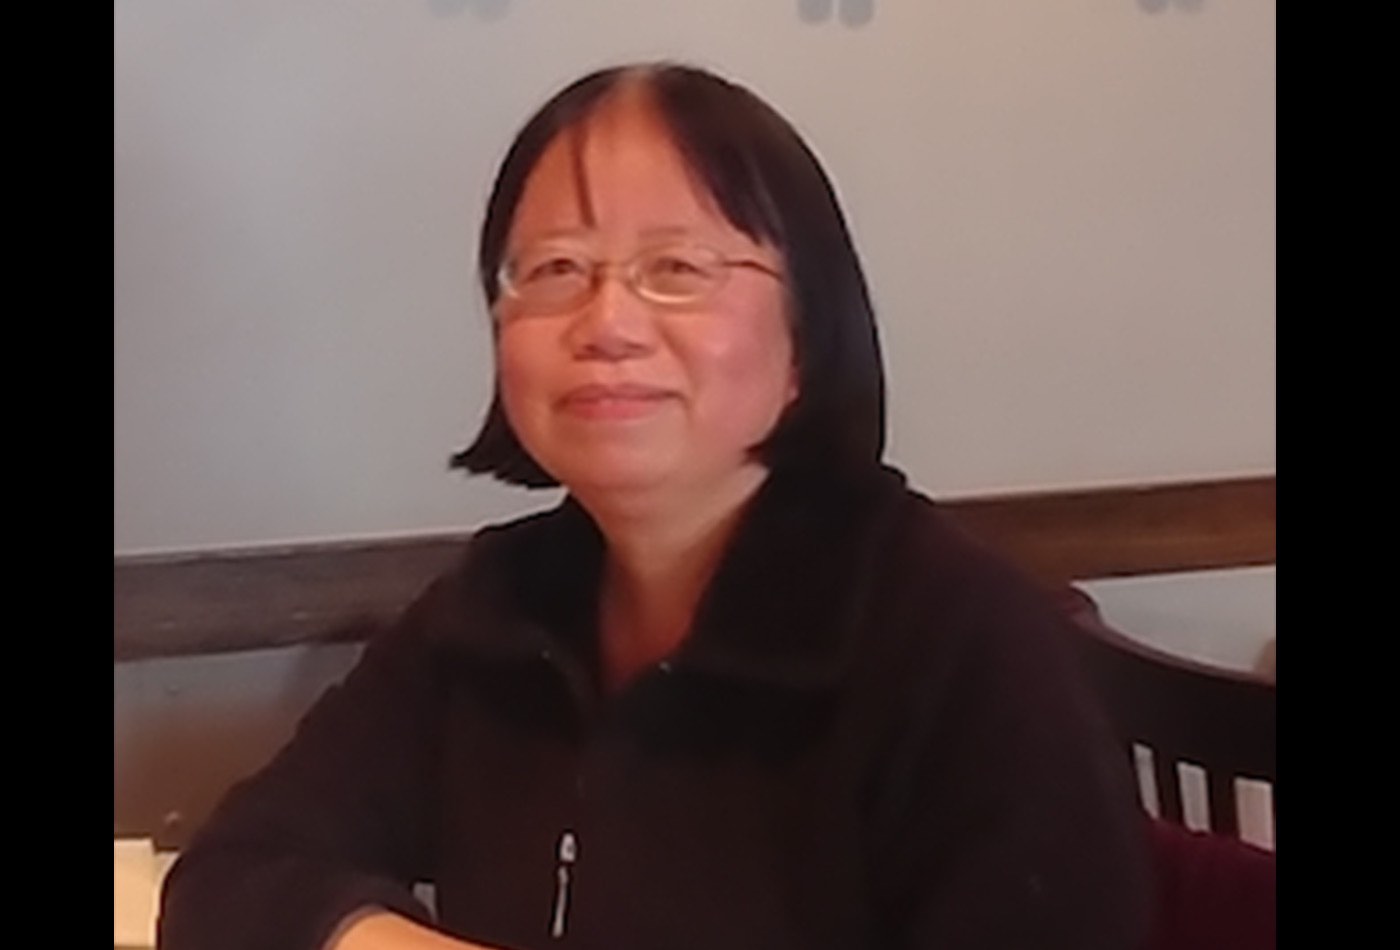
(227, 601)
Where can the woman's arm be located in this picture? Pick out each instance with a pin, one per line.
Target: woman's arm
(339, 820)
(378, 929)
(1008, 811)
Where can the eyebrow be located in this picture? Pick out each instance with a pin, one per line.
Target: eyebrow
(647, 235)
(668, 231)
(561, 234)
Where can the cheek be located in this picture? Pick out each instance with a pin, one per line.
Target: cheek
(770, 347)
(522, 374)
(760, 365)
(754, 369)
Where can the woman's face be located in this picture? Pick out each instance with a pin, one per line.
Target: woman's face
(616, 393)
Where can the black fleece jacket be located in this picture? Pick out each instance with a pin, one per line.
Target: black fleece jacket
(874, 736)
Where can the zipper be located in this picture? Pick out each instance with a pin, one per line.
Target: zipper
(568, 854)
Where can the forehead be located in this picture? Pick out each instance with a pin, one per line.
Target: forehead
(614, 178)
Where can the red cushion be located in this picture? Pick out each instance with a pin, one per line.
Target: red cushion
(1213, 891)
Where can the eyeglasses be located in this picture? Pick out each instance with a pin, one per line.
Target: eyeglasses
(550, 278)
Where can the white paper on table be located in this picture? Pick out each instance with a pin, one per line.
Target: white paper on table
(137, 873)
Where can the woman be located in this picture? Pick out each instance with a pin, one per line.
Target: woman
(743, 688)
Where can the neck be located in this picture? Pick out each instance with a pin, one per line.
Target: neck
(661, 554)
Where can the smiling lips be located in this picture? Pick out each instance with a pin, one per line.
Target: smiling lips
(618, 401)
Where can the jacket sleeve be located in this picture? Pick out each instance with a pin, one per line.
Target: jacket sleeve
(1010, 813)
(334, 823)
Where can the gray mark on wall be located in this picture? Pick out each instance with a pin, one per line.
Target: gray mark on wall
(852, 13)
(484, 9)
(1157, 6)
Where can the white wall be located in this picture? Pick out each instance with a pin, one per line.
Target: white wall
(1066, 210)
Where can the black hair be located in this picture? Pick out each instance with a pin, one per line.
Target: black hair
(769, 185)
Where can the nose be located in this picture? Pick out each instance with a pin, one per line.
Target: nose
(614, 324)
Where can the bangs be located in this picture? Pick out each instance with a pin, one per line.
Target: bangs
(719, 144)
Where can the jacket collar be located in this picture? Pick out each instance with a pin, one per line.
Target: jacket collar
(784, 607)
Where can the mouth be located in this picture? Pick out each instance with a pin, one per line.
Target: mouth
(614, 401)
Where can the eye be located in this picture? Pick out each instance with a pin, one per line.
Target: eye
(674, 265)
(680, 273)
(548, 267)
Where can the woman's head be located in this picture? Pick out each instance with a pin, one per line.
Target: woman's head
(789, 330)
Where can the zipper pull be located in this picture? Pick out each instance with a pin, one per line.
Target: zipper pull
(568, 854)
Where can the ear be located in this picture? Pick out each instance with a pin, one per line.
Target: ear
(792, 388)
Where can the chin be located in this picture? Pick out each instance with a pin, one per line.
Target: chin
(611, 471)
(614, 480)
(652, 477)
